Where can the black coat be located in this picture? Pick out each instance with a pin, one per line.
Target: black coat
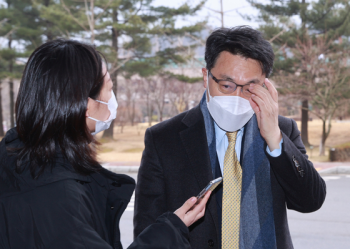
(176, 165)
(63, 209)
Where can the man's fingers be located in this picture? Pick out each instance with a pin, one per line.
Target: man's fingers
(263, 93)
(264, 99)
(259, 102)
(254, 106)
(272, 89)
(269, 96)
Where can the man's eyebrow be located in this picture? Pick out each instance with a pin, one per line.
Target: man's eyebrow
(226, 77)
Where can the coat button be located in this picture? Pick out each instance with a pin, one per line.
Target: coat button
(211, 243)
(112, 207)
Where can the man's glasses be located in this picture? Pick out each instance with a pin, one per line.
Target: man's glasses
(228, 86)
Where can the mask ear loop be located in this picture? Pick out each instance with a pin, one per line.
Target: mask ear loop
(101, 102)
(93, 119)
(98, 101)
(208, 85)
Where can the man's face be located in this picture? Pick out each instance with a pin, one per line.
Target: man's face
(236, 68)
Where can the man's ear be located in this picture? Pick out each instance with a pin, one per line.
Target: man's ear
(204, 72)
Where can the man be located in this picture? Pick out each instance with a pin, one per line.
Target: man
(234, 132)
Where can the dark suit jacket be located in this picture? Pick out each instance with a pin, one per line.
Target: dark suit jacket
(175, 166)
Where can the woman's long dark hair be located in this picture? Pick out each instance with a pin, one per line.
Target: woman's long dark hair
(51, 105)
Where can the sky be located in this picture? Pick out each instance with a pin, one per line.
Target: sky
(232, 17)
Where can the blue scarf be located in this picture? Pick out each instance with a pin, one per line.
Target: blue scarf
(257, 227)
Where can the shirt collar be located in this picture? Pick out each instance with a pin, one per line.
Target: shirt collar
(220, 133)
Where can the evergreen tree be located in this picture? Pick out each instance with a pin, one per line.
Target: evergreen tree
(126, 29)
(60, 19)
(3, 75)
(329, 18)
(19, 29)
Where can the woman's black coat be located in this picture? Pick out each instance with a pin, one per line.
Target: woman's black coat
(63, 209)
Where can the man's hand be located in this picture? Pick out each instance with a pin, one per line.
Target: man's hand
(191, 210)
(265, 105)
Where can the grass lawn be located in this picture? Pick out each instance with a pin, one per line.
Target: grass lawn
(340, 134)
(128, 146)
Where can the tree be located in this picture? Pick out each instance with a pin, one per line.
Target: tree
(20, 30)
(317, 17)
(181, 94)
(63, 18)
(160, 91)
(129, 95)
(323, 76)
(222, 13)
(3, 76)
(122, 30)
(131, 26)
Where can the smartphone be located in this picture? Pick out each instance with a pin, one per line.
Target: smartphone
(211, 186)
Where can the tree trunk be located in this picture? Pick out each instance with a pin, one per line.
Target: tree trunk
(160, 115)
(1, 125)
(133, 113)
(115, 34)
(12, 97)
(12, 103)
(305, 102)
(49, 34)
(304, 122)
(149, 111)
(323, 139)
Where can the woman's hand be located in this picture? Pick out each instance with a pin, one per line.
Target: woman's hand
(191, 210)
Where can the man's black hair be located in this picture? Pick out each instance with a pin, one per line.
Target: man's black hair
(243, 41)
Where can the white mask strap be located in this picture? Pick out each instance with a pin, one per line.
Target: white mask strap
(208, 83)
(98, 101)
(93, 119)
(101, 102)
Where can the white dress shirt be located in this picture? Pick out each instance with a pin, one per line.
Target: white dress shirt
(222, 144)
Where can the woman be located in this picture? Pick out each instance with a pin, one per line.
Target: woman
(53, 192)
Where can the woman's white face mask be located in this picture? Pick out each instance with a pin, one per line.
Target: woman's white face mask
(230, 113)
(112, 107)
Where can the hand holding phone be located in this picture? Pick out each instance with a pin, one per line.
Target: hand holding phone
(211, 186)
(192, 210)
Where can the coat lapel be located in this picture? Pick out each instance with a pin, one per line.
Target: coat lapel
(195, 143)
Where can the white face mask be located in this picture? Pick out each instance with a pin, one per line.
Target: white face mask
(230, 113)
(112, 107)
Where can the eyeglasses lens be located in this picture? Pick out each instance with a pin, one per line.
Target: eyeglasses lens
(228, 87)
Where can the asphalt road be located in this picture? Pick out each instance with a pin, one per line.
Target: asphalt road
(327, 228)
